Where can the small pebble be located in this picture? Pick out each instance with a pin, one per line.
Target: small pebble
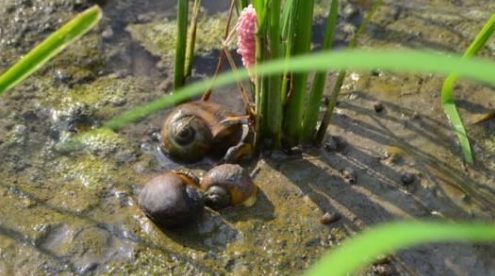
(335, 144)
(378, 107)
(407, 178)
(383, 270)
(329, 218)
(349, 175)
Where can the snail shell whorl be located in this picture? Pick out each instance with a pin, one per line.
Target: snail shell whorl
(228, 180)
(193, 130)
(186, 136)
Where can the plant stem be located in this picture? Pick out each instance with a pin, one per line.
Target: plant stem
(313, 105)
(180, 46)
(274, 97)
(302, 42)
(191, 40)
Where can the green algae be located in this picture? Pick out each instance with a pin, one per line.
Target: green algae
(158, 37)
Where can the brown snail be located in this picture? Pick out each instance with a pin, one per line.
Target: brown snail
(171, 199)
(228, 185)
(197, 129)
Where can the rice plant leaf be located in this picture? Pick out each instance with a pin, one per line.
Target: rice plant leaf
(447, 98)
(50, 47)
(392, 60)
(385, 239)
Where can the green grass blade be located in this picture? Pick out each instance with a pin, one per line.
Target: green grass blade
(274, 97)
(295, 102)
(381, 240)
(286, 18)
(314, 101)
(180, 46)
(447, 98)
(391, 60)
(50, 47)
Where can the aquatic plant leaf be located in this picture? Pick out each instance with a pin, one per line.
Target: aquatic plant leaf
(392, 60)
(447, 98)
(50, 47)
(362, 249)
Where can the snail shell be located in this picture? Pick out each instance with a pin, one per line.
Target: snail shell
(193, 130)
(171, 199)
(228, 185)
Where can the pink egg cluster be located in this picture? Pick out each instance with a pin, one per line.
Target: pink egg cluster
(246, 30)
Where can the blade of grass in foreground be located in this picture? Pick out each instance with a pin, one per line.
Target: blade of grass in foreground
(392, 60)
(362, 249)
(448, 103)
(50, 47)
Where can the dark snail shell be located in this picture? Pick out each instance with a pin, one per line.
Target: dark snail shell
(228, 185)
(171, 199)
(193, 130)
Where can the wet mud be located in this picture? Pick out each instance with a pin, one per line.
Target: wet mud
(69, 207)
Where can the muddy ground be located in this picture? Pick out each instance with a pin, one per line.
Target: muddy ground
(69, 210)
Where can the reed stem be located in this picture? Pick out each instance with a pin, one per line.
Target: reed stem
(180, 46)
(313, 105)
(302, 42)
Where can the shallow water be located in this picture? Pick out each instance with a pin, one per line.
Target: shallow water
(72, 210)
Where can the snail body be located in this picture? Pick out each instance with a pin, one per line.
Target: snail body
(171, 199)
(228, 185)
(197, 129)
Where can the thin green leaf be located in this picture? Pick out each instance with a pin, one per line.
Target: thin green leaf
(447, 98)
(391, 60)
(285, 18)
(381, 240)
(50, 47)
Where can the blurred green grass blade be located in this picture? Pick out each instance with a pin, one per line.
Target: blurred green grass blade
(381, 240)
(50, 47)
(392, 60)
(447, 98)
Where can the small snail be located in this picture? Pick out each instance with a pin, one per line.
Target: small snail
(197, 129)
(171, 199)
(228, 185)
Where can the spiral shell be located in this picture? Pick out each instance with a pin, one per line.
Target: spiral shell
(196, 129)
(228, 185)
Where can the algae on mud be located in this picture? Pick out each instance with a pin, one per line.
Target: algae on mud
(56, 225)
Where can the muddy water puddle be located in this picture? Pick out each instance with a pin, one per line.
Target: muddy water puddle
(71, 209)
